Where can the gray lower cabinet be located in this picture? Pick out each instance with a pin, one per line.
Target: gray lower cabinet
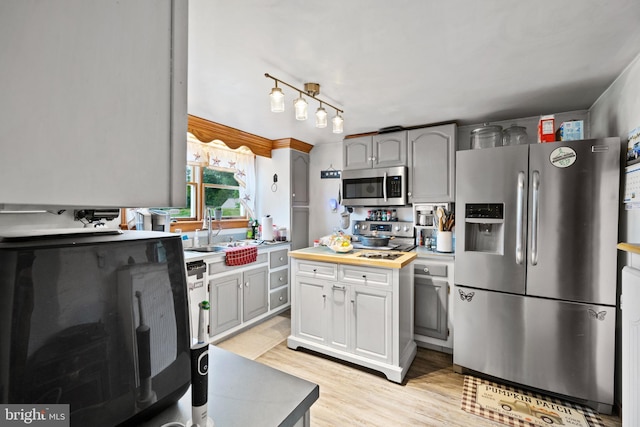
(237, 298)
(431, 307)
(431, 160)
(255, 293)
(433, 282)
(225, 293)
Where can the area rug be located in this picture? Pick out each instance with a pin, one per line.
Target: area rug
(518, 408)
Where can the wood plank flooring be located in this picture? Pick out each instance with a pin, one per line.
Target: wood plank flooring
(354, 396)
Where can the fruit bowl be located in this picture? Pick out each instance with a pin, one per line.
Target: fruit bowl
(341, 249)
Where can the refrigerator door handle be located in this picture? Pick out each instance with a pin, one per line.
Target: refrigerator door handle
(535, 217)
(520, 219)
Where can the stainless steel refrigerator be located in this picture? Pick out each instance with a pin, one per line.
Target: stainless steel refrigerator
(535, 266)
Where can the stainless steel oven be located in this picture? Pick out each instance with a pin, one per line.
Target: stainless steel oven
(401, 234)
(375, 187)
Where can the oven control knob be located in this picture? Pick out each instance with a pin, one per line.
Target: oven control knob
(397, 228)
(355, 227)
(406, 228)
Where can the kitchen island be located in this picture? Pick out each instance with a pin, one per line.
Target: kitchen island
(354, 308)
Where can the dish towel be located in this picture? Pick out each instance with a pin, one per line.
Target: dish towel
(241, 255)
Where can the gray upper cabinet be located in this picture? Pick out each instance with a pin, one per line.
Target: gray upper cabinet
(93, 106)
(431, 161)
(390, 149)
(357, 152)
(299, 178)
(377, 151)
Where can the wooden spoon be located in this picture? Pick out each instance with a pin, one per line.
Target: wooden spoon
(440, 215)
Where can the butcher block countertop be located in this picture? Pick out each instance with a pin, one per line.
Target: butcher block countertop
(629, 247)
(324, 254)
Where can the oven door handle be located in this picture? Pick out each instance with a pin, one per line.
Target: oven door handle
(384, 187)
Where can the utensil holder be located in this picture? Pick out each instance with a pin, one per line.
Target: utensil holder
(444, 241)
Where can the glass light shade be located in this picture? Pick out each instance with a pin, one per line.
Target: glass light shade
(337, 123)
(277, 100)
(300, 106)
(321, 118)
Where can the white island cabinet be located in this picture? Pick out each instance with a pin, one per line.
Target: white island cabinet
(93, 111)
(354, 309)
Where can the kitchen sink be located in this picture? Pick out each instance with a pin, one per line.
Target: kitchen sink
(220, 247)
(213, 248)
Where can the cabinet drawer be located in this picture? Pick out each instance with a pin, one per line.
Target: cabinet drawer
(278, 258)
(221, 267)
(317, 270)
(278, 278)
(278, 298)
(365, 276)
(430, 269)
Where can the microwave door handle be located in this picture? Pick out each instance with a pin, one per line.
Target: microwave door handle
(384, 187)
(520, 219)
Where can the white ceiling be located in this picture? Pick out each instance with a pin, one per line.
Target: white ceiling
(404, 62)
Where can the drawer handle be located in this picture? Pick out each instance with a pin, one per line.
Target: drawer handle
(314, 270)
(364, 276)
(281, 278)
(426, 270)
(281, 298)
(281, 259)
(246, 285)
(339, 287)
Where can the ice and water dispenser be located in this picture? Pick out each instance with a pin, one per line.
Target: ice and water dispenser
(484, 227)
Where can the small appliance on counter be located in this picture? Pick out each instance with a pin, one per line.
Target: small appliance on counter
(399, 235)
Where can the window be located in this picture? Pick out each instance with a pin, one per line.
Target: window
(221, 189)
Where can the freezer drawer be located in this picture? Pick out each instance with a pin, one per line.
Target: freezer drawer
(562, 347)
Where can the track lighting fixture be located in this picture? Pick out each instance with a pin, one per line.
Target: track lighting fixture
(300, 104)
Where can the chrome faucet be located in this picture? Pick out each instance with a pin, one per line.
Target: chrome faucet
(207, 223)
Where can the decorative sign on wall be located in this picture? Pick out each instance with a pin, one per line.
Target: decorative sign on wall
(330, 173)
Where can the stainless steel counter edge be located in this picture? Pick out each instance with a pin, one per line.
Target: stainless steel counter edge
(243, 392)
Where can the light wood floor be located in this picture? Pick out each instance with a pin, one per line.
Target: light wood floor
(354, 396)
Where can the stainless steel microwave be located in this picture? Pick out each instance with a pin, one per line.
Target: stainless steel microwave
(375, 187)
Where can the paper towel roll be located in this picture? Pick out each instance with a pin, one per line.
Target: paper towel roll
(267, 228)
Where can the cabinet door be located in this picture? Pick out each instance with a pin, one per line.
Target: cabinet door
(357, 153)
(299, 228)
(299, 178)
(390, 149)
(225, 295)
(372, 321)
(431, 158)
(255, 293)
(310, 309)
(340, 306)
(100, 94)
(431, 306)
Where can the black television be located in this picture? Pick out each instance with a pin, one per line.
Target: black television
(96, 319)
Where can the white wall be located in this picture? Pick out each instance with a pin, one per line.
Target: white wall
(322, 220)
(615, 113)
(269, 202)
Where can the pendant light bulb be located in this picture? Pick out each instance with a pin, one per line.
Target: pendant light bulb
(300, 105)
(321, 117)
(338, 123)
(277, 100)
